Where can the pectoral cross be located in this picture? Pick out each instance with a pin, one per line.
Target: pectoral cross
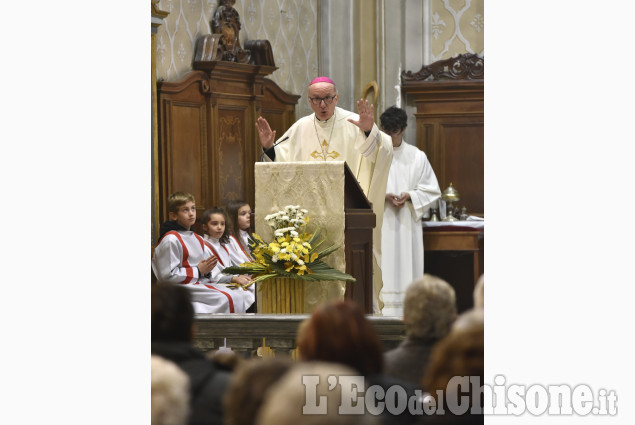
(325, 153)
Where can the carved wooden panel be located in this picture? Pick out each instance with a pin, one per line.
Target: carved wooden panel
(450, 123)
(231, 152)
(183, 135)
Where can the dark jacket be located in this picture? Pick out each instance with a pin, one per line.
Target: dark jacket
(207, 383)
(409, 360)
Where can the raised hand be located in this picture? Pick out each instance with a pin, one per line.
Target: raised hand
(365, 110)
(266, 136)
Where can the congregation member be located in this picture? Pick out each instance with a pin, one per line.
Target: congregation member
(459, 353)
(172, 331)
(249, 385)
(286, 400)
(183, 258)
(339, 332)
(411, 189)
(429, 311)
(169, 393)
(334, 134)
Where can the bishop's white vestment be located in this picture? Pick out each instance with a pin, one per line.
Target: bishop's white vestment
(175, 261)
(402, 243)
(368, 157)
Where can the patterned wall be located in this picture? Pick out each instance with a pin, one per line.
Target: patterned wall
(289, 25)
(456, 27)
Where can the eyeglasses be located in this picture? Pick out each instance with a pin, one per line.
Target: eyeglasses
(327, 100)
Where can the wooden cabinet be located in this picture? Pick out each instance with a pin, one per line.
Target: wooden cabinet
(207, 138)
(450, 123)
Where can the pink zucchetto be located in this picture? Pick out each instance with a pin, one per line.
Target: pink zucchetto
(322, 80)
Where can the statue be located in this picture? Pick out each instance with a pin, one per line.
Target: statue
(226, 22)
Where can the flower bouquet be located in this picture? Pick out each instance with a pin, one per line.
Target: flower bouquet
(293, 253)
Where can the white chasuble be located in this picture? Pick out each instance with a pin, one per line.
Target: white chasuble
(402, 243)
(369, 159)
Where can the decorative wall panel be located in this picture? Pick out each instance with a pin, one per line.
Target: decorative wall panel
(455, 27)
(289, 25)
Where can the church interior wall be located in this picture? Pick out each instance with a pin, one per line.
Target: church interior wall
(291, 26)
(354, 42)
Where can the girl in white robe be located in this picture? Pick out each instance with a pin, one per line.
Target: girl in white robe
(217, 238)
(239, 226)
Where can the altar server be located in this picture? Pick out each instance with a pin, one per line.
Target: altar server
(218, 239)
(182, 257)
(238, 226)
(411, 189)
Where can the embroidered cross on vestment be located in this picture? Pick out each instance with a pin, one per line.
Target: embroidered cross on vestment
(324, 154)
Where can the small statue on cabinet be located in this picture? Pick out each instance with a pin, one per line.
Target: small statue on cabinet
(226, 22)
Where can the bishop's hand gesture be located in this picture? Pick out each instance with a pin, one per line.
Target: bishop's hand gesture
(265, 134)
(365, 110)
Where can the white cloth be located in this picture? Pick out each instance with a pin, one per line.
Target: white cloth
(317, 187)
(369, 159)
(402, 243)
(175, 260)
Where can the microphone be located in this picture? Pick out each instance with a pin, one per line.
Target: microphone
(274, 145)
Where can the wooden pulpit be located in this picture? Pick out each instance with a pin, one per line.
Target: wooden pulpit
(337, 206)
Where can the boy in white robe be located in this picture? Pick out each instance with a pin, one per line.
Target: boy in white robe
(411, 188)
(182, 257)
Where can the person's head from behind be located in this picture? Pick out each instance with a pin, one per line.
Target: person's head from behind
(238, 216)
(249, 384)
(394, 121)
(182, 209)
(214, 224)
(429, 308)
(460, 353)
(323, 97)
(170, 393)
(339, 332)
(172, 313)
(479, 293)
(286, 401)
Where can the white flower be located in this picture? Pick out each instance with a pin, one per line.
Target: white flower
(275, 258)
(294, 233)
(304, 211)
(300, 263)
(294, 257)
